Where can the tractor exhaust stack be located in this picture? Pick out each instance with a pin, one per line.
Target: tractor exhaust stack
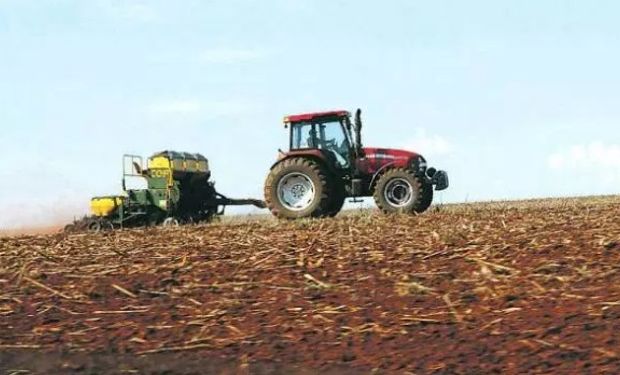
(358, 130)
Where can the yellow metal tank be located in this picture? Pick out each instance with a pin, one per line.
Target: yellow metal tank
(104, 206)
(180, 163)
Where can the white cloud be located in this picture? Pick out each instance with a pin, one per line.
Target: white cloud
(429, 144)
(596, 161)
(592, 155)
(214, 55)
(296, 6)
(229, 55)
(202, 108)
(130, 10)
(176, 106)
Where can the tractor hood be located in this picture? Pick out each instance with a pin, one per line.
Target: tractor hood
(377, 158)
(388, 153)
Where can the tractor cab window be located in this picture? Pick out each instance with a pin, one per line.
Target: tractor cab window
(333, 139)
(302, 136)
(328, 135)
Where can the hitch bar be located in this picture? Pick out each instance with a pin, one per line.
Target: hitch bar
(222, 200)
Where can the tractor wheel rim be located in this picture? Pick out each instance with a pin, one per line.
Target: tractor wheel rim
(107, 225)
(296, 191)
(94, 226)
(398, 192)
(170, 222)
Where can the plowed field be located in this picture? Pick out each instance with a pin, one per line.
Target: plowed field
(515, 287)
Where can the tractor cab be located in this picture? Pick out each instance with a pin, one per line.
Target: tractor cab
(330, 133)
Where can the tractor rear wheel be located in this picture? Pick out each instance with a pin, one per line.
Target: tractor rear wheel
(298, 188)
(400, 191)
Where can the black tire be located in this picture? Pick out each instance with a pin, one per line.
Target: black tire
(94, 226)
(337, 200)
(315, 172)
(400, 191)
(99, 225)
(107, 225)
(427, 197)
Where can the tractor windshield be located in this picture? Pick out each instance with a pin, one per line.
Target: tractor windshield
(324, 135)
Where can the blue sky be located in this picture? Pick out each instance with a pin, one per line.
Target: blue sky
(515, 99)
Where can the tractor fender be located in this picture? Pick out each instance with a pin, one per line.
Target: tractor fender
(278, 162)
(314, 155)
(379, 172)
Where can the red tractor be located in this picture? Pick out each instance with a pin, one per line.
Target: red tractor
(326, 164)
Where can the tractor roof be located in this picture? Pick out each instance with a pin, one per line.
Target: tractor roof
(315, 115)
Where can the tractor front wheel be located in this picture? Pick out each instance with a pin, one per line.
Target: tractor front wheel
(337, 201)
(298, 188)
(427, 197)
(400, 191)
